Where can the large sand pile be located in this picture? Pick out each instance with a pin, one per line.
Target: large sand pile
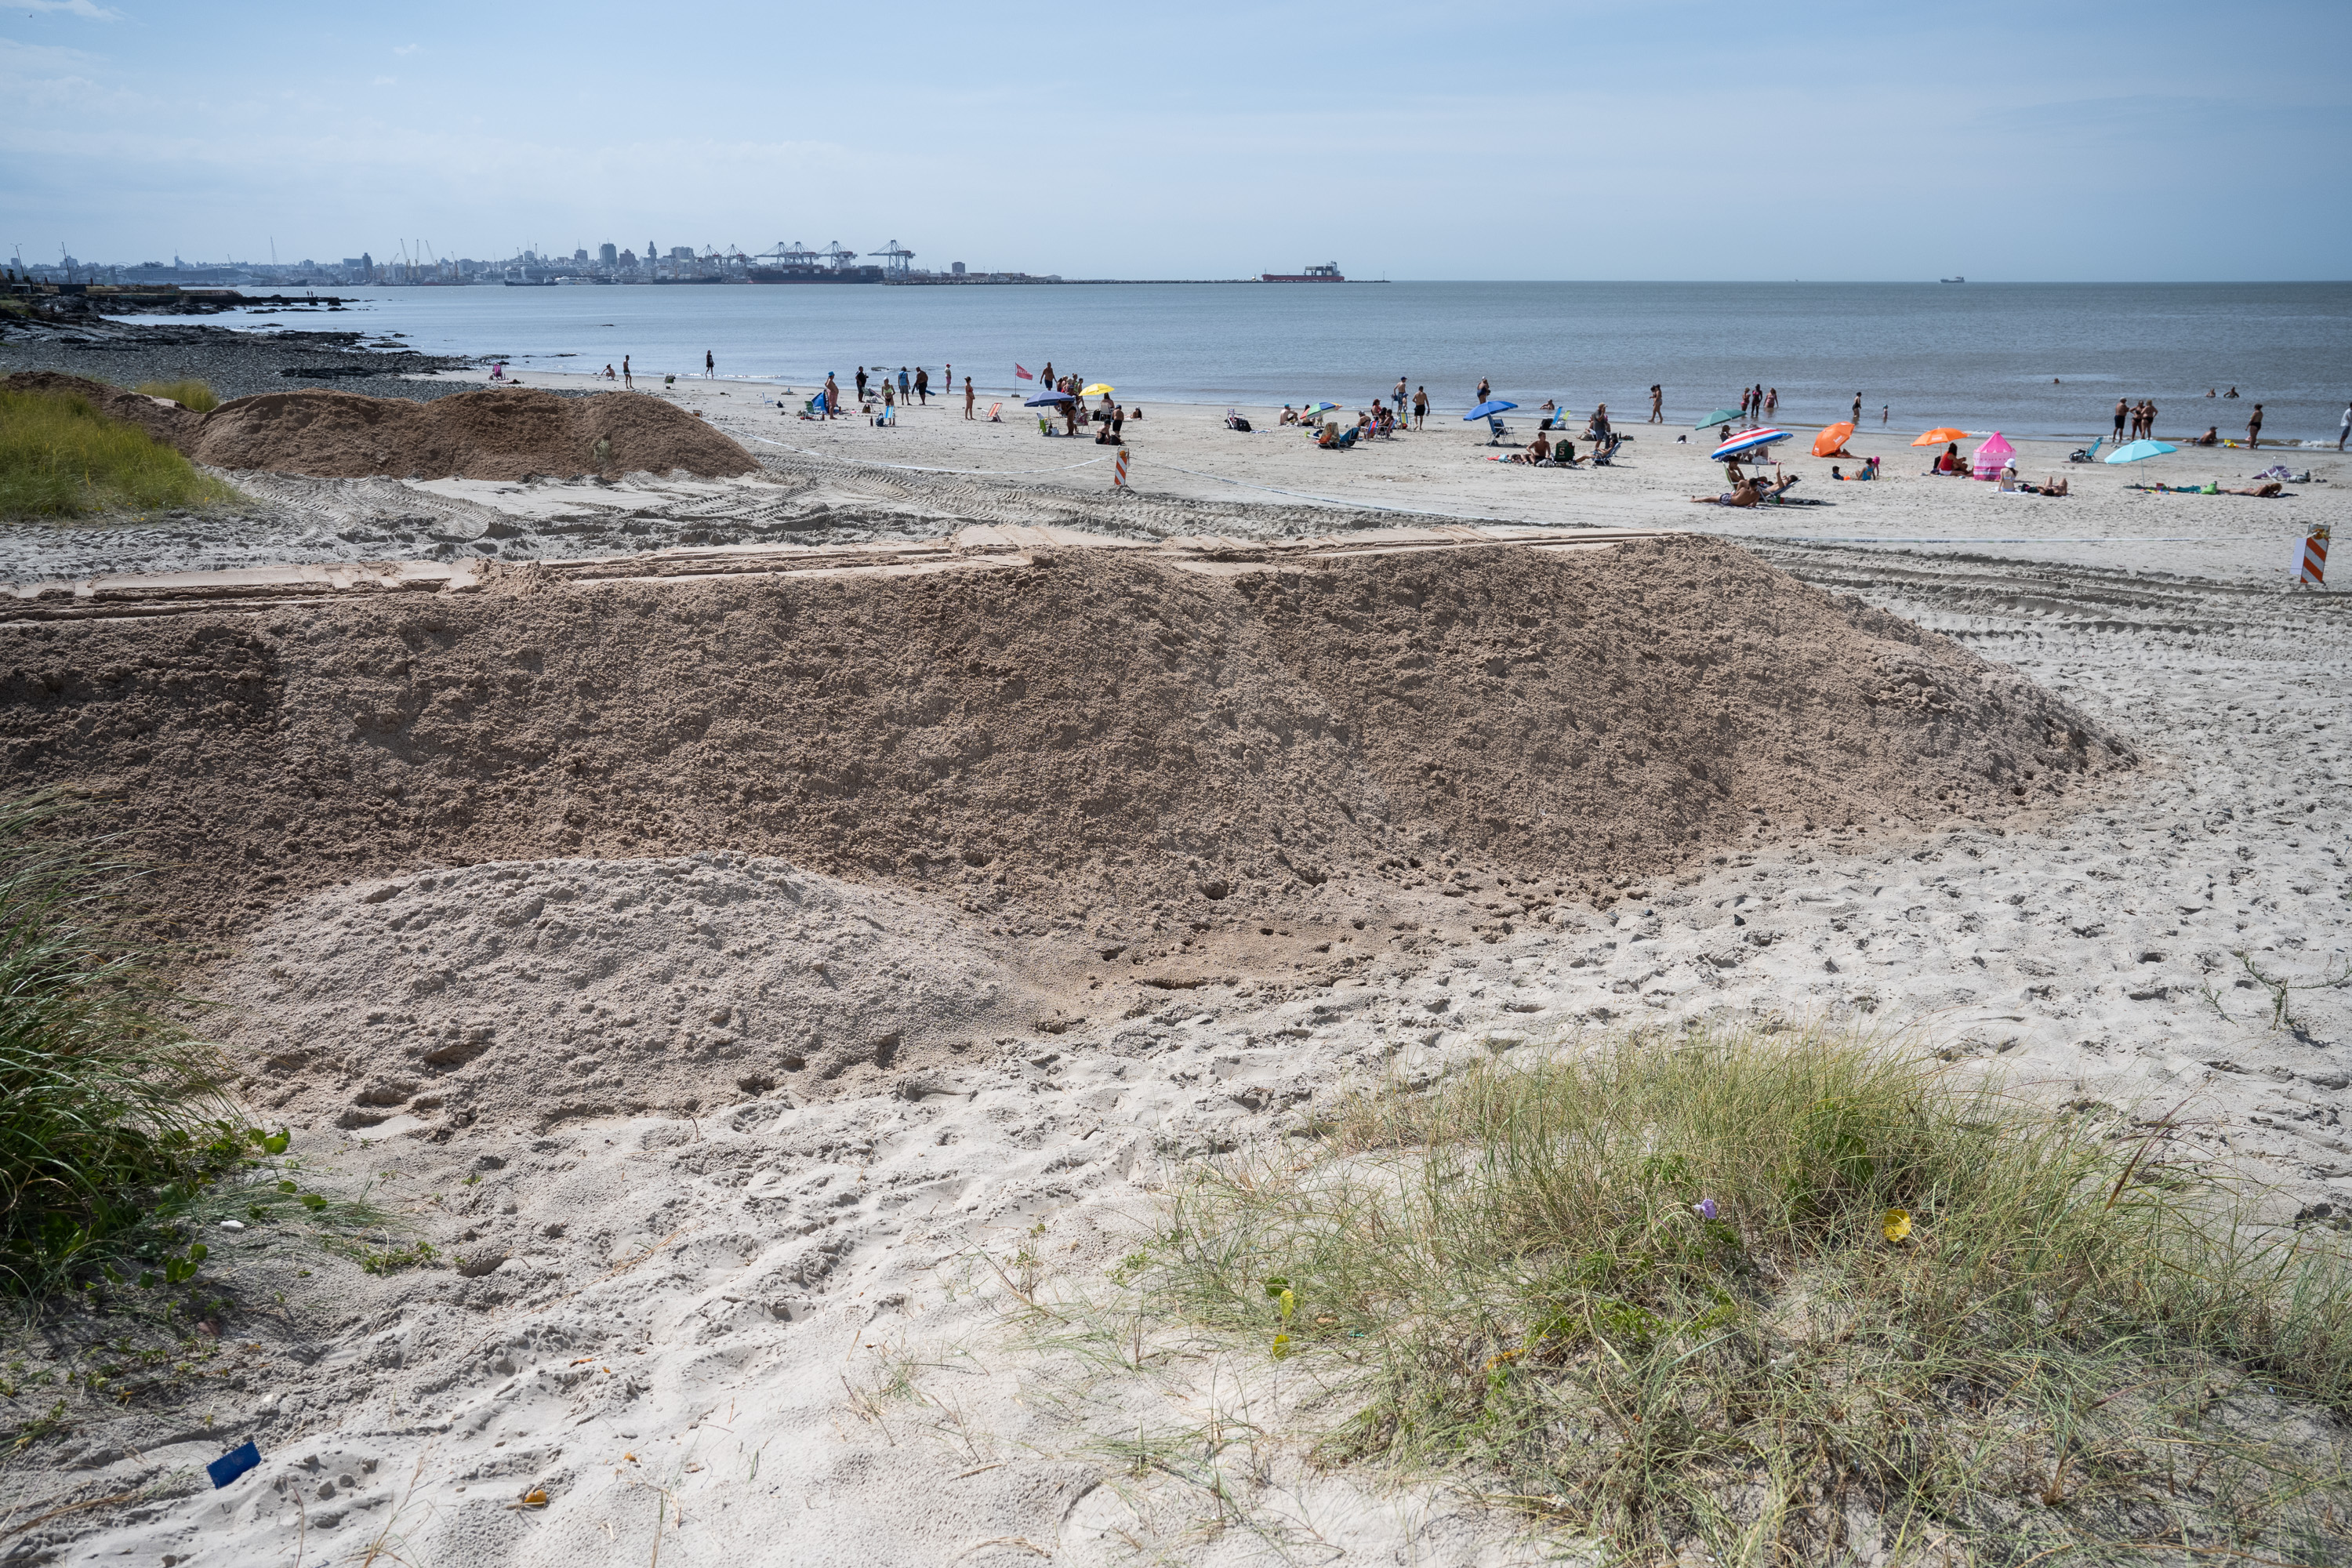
(1094, 732)
(512, 433)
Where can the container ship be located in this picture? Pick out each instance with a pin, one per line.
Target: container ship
(1328, 272)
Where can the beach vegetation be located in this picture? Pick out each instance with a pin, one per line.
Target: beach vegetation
(1783, 1295)
(60, 457)
(195, 396)
(119, 1145)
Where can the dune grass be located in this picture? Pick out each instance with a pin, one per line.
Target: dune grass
(62, 458)
(1788, 1298)
(118, 1141)
(196, 397)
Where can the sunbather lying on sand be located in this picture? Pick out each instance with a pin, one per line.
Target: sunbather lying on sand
(1539, 451)
(1749, 493)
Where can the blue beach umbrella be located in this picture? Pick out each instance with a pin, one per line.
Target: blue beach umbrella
(2137, 450)
(1043, 398)
(1488, 409)
(1748, 440)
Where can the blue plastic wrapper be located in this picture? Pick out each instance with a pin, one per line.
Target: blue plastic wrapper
(233, 1464)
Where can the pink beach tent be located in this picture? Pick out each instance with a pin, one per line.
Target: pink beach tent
(1992, 457)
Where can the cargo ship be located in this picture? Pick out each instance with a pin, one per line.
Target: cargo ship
(1328, 272)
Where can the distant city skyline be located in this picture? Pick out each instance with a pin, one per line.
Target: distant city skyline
(1562, 140)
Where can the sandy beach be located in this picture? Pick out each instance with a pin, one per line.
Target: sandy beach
(747, 1163)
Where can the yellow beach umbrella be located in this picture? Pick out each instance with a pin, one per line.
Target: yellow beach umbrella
(1096, 390)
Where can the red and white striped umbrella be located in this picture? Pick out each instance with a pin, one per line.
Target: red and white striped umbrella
(1747, 441)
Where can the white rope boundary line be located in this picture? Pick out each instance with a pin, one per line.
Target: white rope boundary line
(920, 468)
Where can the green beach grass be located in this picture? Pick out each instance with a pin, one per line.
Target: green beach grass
(60, 457)
(196, 397)
(1785, 1297)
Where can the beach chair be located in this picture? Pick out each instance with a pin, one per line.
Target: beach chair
(1348, 437)
(1496, 430)
(996, 414)
(2087, 454)
(1234, 421)
(1602, 454)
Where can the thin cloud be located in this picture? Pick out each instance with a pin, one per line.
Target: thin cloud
(387, 81)
(86, 9)
(409, 49)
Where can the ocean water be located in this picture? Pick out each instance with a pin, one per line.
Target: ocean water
(2032, 359)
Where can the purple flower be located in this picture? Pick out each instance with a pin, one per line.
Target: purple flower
(1706, 1207)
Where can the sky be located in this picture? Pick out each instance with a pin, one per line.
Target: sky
(2054, 140)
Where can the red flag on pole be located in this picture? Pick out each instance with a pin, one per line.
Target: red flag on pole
(1022, 374)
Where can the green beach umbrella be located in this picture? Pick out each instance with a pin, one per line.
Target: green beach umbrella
(1720, 417)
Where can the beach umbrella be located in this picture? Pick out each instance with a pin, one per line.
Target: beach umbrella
(1096, 390)
(2139, 449)
(1489, 408)
(1722, 417)
(1747, 441)
(1044, 397)
(1318, 406)
(1940, 435)
(1831, 443)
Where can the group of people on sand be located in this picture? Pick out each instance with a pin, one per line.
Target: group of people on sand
(2139, 420)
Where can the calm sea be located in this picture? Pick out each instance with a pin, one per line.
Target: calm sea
(2032, 359)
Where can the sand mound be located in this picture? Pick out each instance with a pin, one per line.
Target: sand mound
(160, 417)
(1094, 731)
(536, 993)
(509, 434)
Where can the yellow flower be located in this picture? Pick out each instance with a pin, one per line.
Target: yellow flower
(1897, 1224)
(1287, 1303)
(1281, 1346)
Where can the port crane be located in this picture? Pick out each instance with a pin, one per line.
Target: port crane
(896, 257)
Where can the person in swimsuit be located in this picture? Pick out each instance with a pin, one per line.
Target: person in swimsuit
(710, 365)
(627, 379)
(2120, 406)
(1420, 405)
(1657, 403)
(2255, 427)
(922, 386)
(967, 397)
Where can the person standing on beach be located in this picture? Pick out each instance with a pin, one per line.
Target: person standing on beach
(1857, 407)
(2148, 420)
(861, 386)
(832, 395)
(1400, 395)
(1420, 405)
(627, 381)
(2255, 427)
(922, 386)
(710, 365)
(1657, 403)
(904, 386)
(2344, 430)
(967, 397)
(2120, 406)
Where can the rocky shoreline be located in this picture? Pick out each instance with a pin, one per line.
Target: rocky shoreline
(234, 363)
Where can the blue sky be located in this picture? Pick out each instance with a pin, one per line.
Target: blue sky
(2053, 141)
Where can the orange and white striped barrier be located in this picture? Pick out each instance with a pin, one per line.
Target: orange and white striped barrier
(2314, 556)
(1118, 475)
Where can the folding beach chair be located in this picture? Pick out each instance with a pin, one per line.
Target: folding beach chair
(1602, 455)
(2082, 455)
(1496, 430)
(995, 413)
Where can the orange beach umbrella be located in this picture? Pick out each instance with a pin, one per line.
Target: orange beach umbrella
(1831, 443)
(1940, 435)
